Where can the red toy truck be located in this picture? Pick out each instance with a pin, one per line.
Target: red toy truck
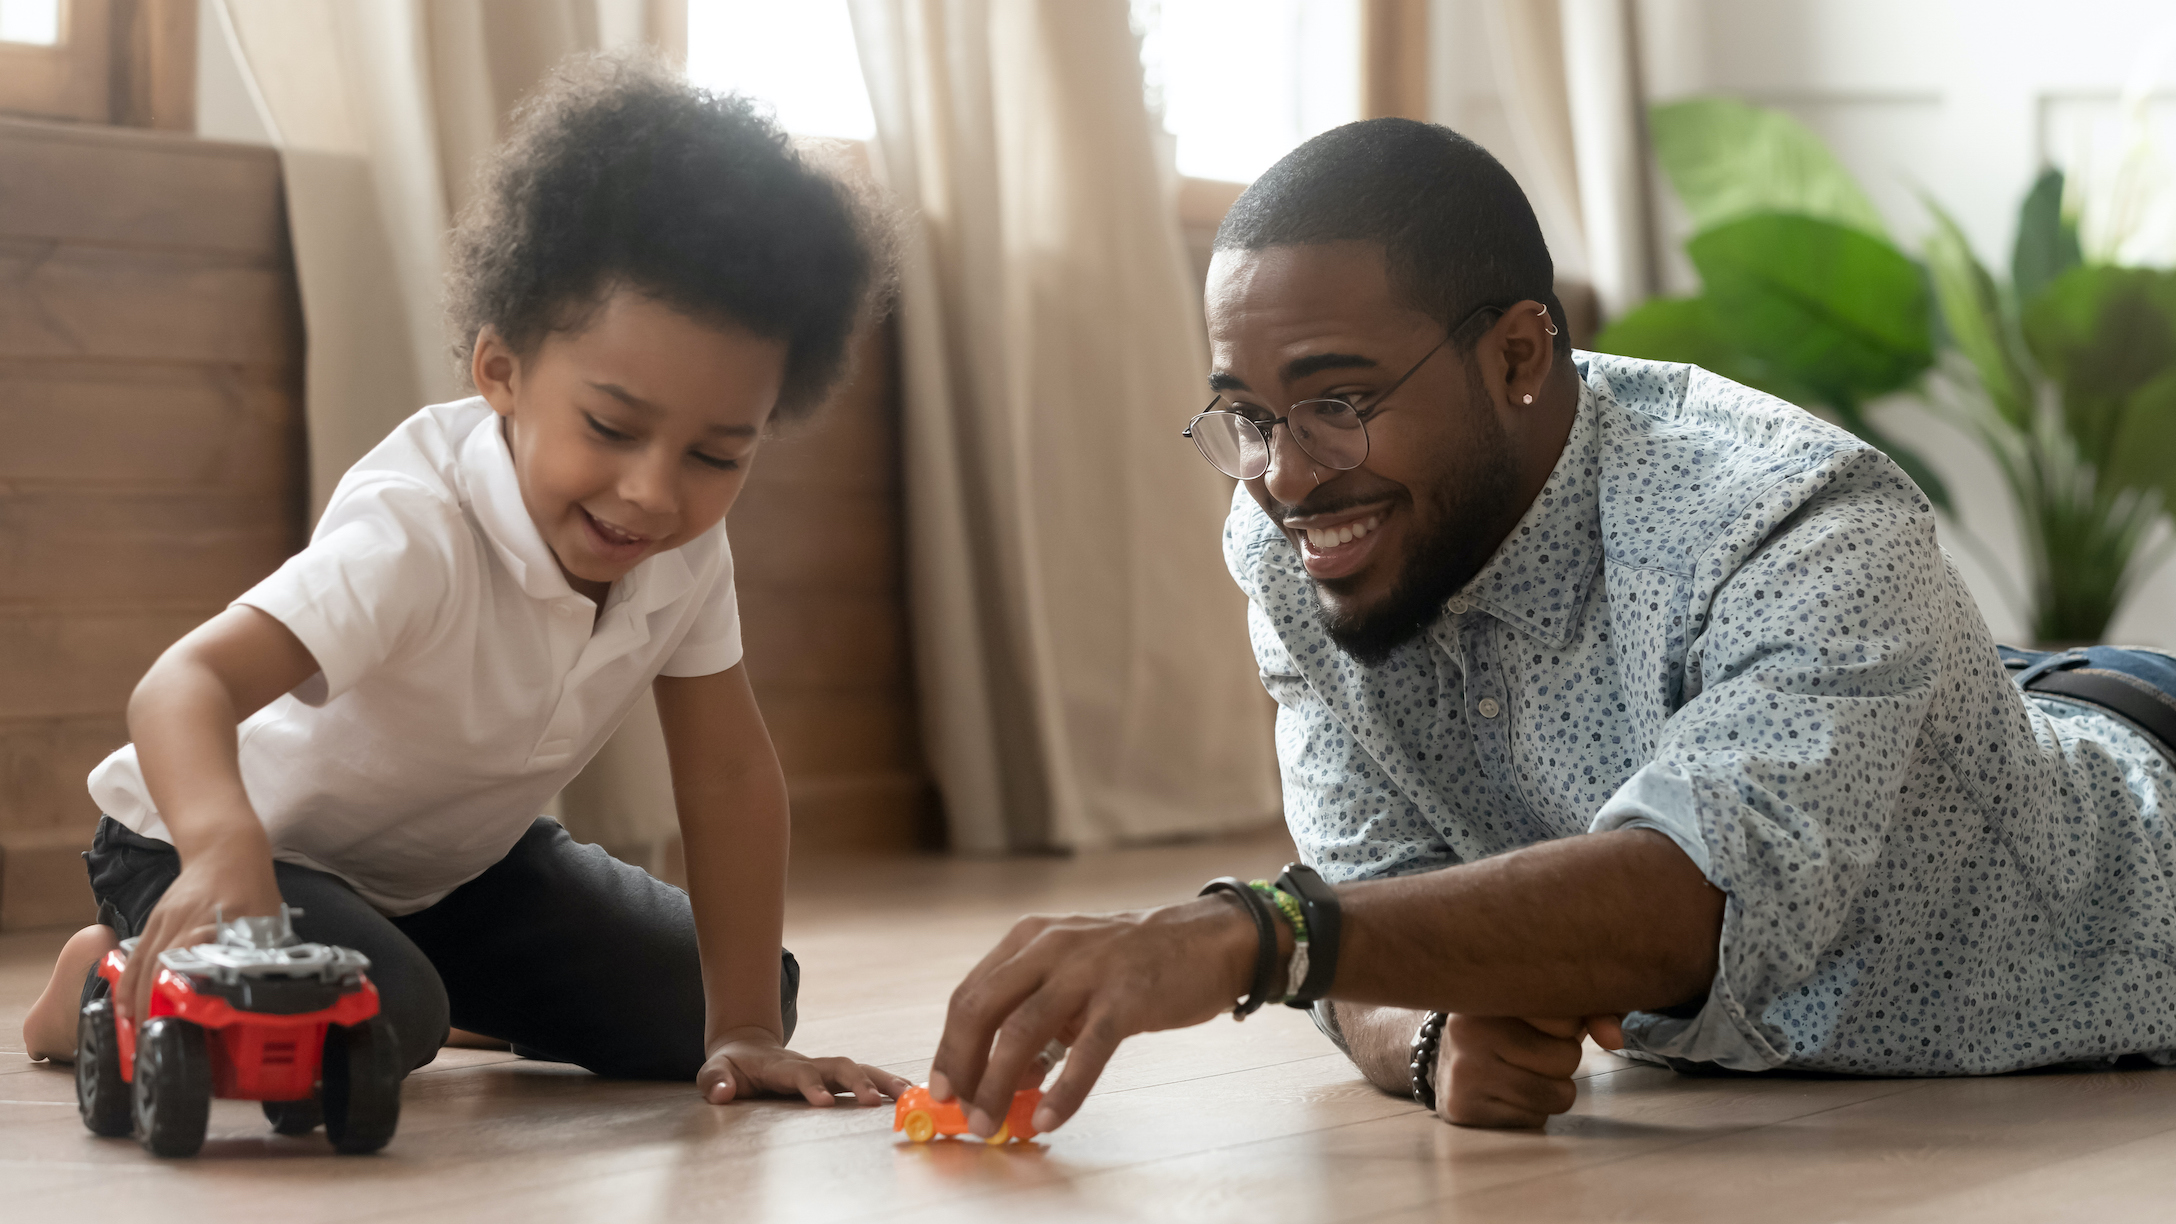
(252, 1016)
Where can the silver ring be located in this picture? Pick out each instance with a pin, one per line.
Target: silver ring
(1052, 1054)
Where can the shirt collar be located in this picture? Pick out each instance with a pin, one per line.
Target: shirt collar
(493, 492)
(1539, 576)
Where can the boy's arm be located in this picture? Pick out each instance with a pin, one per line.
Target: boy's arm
(731, 798)
(182, 718)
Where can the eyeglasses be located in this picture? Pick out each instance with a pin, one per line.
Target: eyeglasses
(1332, 432)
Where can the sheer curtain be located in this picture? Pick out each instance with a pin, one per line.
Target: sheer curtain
(379, 109)
(1568, 74)
(1081, 654)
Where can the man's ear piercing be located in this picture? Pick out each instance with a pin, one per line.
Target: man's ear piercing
(1542, 314)
(1527, 400)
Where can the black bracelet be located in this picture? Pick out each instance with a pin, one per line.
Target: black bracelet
(1426, 1041)
(1265, 929)
(1318, 904)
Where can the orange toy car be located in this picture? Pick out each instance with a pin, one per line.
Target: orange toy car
(924, 1117)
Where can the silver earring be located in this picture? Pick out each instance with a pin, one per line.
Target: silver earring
(1542, 314)
(1528, 400)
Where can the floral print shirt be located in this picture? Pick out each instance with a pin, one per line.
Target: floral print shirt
(1729, 622)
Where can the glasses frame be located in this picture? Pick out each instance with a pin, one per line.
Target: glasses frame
(1268, 427)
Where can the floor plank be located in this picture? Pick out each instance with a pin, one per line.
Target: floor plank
(1260, 1121)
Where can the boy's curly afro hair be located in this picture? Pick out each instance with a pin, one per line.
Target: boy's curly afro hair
(619, 174)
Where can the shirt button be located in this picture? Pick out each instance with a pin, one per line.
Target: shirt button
(1457, 605)
(1488, 707)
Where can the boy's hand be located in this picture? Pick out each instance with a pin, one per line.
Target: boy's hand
(1503, 1071)
(233, 878)
(757, 1065)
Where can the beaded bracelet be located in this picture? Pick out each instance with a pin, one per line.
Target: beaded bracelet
(1426, 1041)
(1295, 971)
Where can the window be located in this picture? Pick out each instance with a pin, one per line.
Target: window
(796, 55)
(32, 22)
(100, 61)
(1239, 83)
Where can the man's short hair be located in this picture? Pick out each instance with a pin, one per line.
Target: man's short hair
(1457, 232)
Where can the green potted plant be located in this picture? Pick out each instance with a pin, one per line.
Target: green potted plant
(2067, 373)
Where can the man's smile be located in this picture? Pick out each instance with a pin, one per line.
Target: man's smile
(1337, 544)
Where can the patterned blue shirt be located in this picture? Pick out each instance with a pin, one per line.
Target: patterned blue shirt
(1730, 622)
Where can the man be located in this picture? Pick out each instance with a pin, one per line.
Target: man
(1608, 689)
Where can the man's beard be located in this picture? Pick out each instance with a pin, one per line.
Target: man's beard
(1471, 511)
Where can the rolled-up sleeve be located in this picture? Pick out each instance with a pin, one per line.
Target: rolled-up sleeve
(1778, 777)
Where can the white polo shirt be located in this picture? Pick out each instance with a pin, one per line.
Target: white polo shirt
(461, 683)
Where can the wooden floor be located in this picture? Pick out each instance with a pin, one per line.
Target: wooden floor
(1260, 1122)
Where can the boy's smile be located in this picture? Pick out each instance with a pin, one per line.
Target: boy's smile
(631, 434)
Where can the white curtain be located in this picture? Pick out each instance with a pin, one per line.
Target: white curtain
(1081, 654)
(1568, 75)
(379, 109)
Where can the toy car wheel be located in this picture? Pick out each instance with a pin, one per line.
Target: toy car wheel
(362, 1086)
(173, 1095)
(101, 1094)
(1004, 1134)
(294, 1117)
(920, 1127)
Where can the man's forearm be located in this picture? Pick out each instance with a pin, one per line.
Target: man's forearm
(1607, 923)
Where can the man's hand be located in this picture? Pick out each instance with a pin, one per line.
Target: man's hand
(1502, 1071)
(751, 1064)
(1091, 981)
(231, 878)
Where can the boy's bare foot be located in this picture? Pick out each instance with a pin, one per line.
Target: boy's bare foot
(49, 1030)
(474, 1041)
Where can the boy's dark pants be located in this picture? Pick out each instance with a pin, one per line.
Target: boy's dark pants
(559, 948)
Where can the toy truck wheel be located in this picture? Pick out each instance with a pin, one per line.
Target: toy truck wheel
(362, 1086)
(173, 1086)
(920, 1128)
(1003, 1135)
(294, 1117)
(101, 1095)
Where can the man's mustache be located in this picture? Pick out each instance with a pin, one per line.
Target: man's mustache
(1337, 503)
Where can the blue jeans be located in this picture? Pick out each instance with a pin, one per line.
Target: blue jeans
(2134, 684)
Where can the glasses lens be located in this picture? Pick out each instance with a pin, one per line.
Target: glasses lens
(1331, 432)
(1232, 444)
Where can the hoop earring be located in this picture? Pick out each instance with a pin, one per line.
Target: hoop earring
(1543, 314)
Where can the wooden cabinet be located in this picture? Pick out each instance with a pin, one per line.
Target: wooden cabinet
(150, 448)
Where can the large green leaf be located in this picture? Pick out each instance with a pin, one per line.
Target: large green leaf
(2144, 454)
(1686, 329)
(1726, 159)
(2047, 241)
(1977, 325)
(1826, 306)
(2103, 333)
